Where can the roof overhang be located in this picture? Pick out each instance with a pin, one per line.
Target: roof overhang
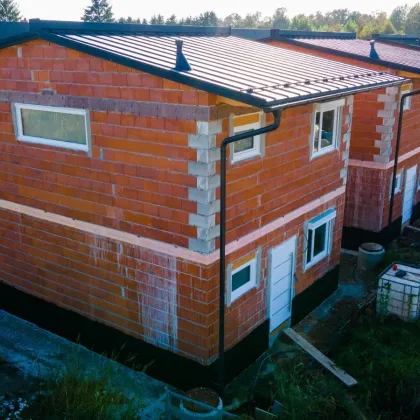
(49, 31)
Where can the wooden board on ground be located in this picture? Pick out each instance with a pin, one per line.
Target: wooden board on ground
(321, 358)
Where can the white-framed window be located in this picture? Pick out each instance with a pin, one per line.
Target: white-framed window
(326, 127)
(398, 183)
(407, 88)
(241, 279)
(52, 126)
(319, 232)
(251, 146)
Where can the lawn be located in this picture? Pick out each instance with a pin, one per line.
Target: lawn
(382, 354)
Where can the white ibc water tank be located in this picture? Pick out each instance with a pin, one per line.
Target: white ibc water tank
(398, 292)
(369, 256)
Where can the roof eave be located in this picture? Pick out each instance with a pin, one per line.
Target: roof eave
(17, 39)
(322, 97)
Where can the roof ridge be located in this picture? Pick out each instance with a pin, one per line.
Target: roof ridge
(52, 26)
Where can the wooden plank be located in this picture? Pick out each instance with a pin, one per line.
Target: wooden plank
(321, 358)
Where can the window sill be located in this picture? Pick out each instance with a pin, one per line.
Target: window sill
(315, 261)
(53, 143)
(323, 152)
(246, 156)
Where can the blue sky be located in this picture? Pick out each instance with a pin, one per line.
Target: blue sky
(73, 9)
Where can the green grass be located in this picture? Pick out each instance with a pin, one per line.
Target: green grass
(384, 356)
(72, 395)
(305, 392)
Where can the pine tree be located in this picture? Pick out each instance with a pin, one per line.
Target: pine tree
(98, 11)
(9, 11)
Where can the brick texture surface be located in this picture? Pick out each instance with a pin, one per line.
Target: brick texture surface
(138, 181)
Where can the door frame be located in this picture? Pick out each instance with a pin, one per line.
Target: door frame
(292, 286)
(413, 195)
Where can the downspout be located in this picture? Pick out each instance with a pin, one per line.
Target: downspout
(225, 143)
(397, 152)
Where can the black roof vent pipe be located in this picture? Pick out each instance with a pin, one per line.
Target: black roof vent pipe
(181, 62)
(373, 53)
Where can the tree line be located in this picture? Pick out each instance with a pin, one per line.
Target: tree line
(403, 19)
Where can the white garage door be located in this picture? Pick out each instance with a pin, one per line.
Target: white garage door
(409, 190)
(282, 270)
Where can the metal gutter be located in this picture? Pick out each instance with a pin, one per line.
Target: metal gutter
(328, 97)
(397, 152)
(344, 54)
(222, 284)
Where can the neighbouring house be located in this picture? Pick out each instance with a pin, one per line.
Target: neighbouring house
(109, 180)
(374, 133)
(397, 39)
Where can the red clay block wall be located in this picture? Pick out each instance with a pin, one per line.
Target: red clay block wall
(250, 310)
(263, 189)
(137, 179)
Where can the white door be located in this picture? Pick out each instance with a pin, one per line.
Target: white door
(408, 199)
(282, 270)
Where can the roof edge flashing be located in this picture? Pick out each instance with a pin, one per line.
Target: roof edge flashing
(38, 25)
(287, 33)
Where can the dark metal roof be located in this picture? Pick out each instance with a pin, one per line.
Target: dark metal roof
(8, 29)
(399, 40)
(259, 75)
(392, 56)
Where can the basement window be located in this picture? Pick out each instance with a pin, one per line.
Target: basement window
(319, 238)
(398, 182)
(243, 277)
(406, 89)
(52, 126)
(326, 127)
(251, 146)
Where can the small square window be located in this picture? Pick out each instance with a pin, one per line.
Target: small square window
(319, 238)
(243, 278)
(398, 182)
(326, 127)
(407, 88)
(52, 126)
(250, 146)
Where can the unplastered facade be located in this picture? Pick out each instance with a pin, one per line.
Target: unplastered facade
(372, 153)
(125, 231)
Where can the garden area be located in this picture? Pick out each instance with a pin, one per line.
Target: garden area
(381, 353)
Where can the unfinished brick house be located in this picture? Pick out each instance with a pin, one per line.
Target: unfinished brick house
(109, 180)
(374, 133)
